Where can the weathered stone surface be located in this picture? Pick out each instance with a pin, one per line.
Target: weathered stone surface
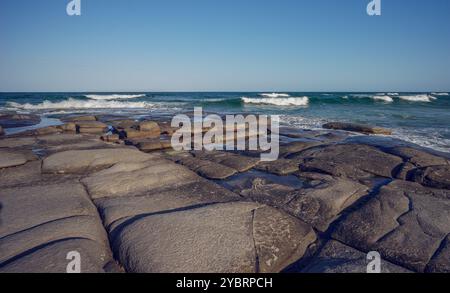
(82, 161)
(207, 168)
(27, 174)
(27, 207)
(348, 160)
(68, 127)
(116, 210)
(111, 138)
(435, 176)
(296, 147)
(405, 222)
(417, 157)
(125, 179)
(10, 158)
(318, 206)
(154, 144)
(280, 239)
(279, 167)
(17, 142)
(336, 257)
(90, 127)
(357, 128)
(234, 161)
(2, 132)
(87, 227)
(18, 120)
(227, 239)
(124, 123)
(440, 263)
(52, 258)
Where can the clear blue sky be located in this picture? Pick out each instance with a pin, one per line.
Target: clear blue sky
(224, 45)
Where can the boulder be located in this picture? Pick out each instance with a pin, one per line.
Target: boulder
(336, 257)
(48, 130)
(110, 138)
(68, 127)
(405, 222)
(228, 239)
(82, 161)
(357, 128)
(137, 134)
(418, 158)
(154, 144)
(90, 127)
(149, 126)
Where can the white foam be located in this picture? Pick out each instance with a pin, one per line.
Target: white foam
(275, 95)
(383, 98)
(418, 98)
(440, 94)
(114, 97)
(80, 104)
(393, 94)
(293, 101)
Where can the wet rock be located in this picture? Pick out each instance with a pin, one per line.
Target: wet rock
(227, 239)
(280, 167)
(406, 223)
(336, 257)
(435, 176)
(125, 179)
(10, 158)
(348, 160)
(52, 258)
(357, 128)
(18, 120)
(84, 161)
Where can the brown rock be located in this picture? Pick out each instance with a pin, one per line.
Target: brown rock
(69, 127)
(435, 176)
(149, 126)
(136, 134)
(81, 118)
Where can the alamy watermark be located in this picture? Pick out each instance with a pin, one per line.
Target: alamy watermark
(374, 8)
(237, 133)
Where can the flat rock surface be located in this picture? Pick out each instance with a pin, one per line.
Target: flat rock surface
(10, 158)
(435, 176)
(348, 160)
(336, 257)
(405, 222)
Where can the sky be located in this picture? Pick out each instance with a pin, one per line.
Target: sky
(224, 45)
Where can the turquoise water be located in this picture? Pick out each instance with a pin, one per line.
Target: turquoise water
(421, 118)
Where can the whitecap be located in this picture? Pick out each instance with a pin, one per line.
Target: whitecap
(72, 103)
(418, 98)
(440, 94)
(114, 97)
(292, 101)
(383, 98)
(275, 95)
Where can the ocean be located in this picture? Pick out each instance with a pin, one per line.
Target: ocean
(420, 118)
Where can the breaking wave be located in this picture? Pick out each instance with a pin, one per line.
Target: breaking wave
(114, 97)
(275, 95)
(383, 98)
(440, 94)
(418, 98)
(292, 101)
(80, 104)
